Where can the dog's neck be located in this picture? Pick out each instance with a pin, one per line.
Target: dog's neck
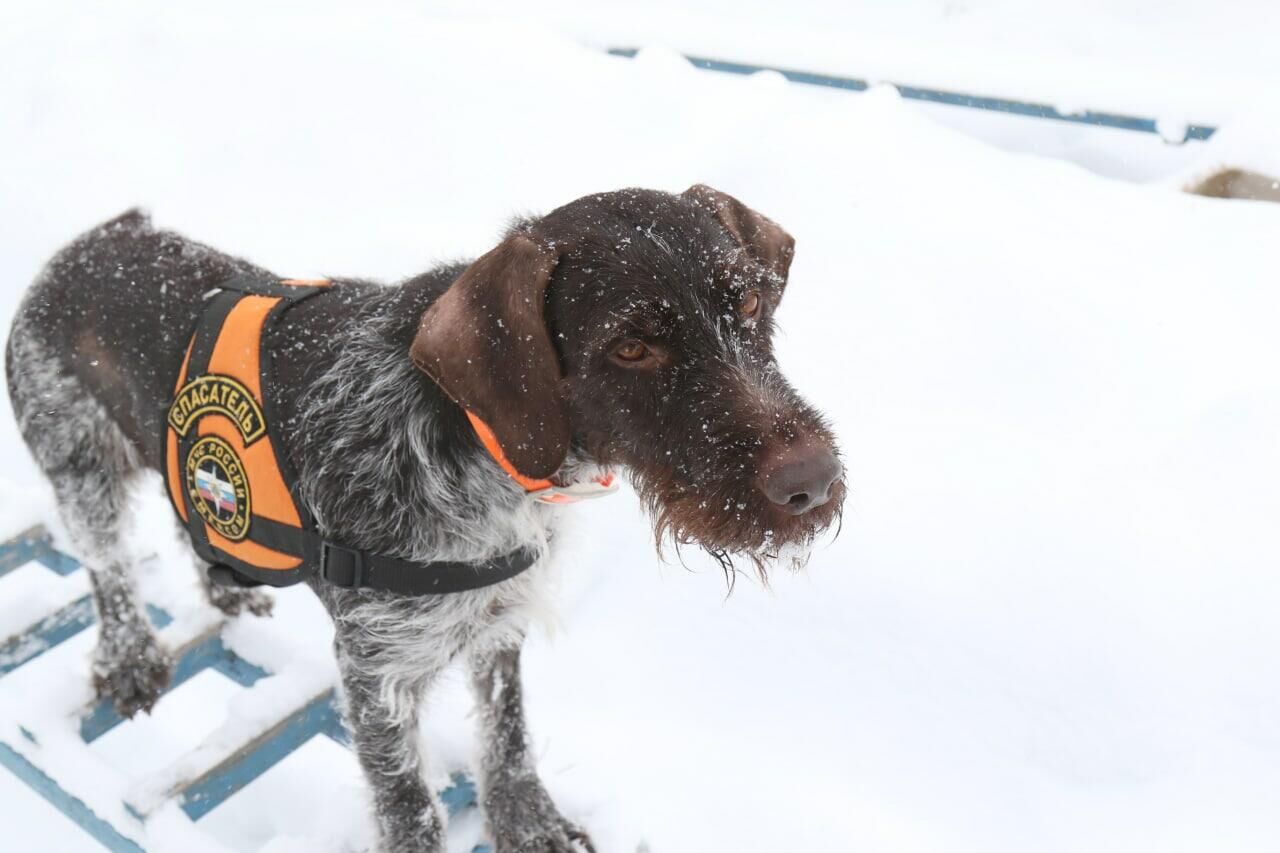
(388, 463)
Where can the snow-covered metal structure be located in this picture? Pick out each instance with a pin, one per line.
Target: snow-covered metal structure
(99, 798)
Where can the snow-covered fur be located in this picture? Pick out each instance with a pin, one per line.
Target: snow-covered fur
(89, 464)
(629, 329)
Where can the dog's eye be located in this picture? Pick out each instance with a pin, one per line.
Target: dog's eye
(749, 307)
(631, 351)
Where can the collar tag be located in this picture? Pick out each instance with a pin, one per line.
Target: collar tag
(606, 484)
(542, 491)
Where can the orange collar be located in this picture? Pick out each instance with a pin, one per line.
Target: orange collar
(543, 491)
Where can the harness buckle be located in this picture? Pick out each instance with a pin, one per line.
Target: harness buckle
(223, 575)
(343, 567)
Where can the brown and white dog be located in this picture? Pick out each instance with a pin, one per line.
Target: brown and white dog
(627, 330)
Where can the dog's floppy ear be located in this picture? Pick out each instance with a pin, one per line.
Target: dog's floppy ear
(764, 239)
(485, 342)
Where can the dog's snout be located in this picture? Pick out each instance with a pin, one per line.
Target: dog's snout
(799, 478)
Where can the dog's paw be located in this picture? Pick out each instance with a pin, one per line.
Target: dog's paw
(233, 600)
(132, 675)
(523, 819)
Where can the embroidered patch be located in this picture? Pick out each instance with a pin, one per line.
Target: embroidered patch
(218, 487)
(223, 395)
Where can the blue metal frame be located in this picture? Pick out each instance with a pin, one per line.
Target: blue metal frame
(45, 634)
(298, 728)
(34, 544)
(941, 96)
(318, 717)
(209, 654)
(36, 779)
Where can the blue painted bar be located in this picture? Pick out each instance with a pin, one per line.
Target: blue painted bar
(210, 654)
(15, 553)
(158, 616)
(236, 668)
(334, 729)
(46, 634)
(53, 559)
(210, 792)
(102, 719)
(940, 96)
(34, 544)
(460, 795)
(320, 716)
(74, 808)
(213, 654)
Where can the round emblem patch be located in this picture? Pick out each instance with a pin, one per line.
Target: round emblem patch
(218, 487)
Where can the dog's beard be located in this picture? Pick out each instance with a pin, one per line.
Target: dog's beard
(735, 524)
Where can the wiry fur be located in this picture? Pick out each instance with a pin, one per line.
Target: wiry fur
(377, 467)
(386, 462)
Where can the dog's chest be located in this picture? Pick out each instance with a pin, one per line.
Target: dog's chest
(413, 636)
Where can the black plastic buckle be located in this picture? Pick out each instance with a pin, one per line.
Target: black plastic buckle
(342, 567)
(221, 574)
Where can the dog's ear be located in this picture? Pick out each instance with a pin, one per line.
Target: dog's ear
(764, 239)
(485, 342)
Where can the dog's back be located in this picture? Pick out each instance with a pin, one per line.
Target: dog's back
(110, 314)
(92, 359)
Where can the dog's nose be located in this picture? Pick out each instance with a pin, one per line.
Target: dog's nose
(799, 478)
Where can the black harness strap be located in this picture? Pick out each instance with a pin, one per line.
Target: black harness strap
(351, 569)
(348, 568)
(208, 328)
(355, 568)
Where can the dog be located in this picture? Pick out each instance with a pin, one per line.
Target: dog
(628, 331)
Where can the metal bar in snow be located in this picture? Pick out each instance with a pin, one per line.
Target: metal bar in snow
(202, 652)
(56, 628)
(941, 96)
(19, 550)
(74, 808)
(256, 757)
(34, 544)
(318, 717)
(45, 634)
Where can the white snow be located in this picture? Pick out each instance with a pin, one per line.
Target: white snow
(1049, 622)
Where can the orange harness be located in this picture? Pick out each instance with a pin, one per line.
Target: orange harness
(234, 490)
(227, 479)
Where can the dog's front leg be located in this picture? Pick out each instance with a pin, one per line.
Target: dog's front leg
(384, 731)
(520, 813)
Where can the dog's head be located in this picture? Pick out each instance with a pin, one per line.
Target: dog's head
(634, 329)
